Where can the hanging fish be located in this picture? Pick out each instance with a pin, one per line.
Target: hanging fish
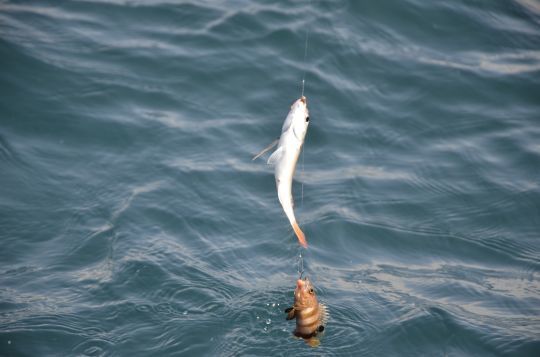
(310, 315)
(285, 157)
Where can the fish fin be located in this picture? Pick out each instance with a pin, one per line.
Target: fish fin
(291, 313)
(313, 342)
(324, 314)
(276, 155)
(300, 235)
(269, 147)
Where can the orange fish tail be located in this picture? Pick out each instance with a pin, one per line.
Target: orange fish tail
(300, 235)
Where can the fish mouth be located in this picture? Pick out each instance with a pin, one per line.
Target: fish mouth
(302, 284)
(303, 99)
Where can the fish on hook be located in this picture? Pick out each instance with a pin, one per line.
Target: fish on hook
(285, 157)
(310, 315)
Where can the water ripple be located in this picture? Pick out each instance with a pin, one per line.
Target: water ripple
(133, 220)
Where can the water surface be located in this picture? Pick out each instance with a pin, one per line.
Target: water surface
(133, 221)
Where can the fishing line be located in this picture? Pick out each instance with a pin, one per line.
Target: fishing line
(303, 87)
(302, 202)
(305, 56)
(300, 265)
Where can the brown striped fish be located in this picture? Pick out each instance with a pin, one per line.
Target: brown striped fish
(309, 313)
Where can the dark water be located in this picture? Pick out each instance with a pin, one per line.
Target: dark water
(133, 221)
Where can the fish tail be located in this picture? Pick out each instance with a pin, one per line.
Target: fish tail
(300, 235)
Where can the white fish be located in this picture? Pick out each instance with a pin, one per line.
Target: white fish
(285, 157)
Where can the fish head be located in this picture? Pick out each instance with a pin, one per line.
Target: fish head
(304, 294)
(300, 117)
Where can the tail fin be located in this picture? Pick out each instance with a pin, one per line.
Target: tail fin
(300, 235)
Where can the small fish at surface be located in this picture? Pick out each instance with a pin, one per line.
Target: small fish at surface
(285, 157)
(310, 315)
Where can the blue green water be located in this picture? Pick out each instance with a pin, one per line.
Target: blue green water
(134, 223)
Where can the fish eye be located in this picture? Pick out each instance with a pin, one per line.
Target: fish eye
(307, 119)
(311, 291)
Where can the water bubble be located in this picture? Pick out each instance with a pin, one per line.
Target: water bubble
(273, 304)
(268, 321)
(9, 342)
(265, 329)
(184, 313)
(257, 317)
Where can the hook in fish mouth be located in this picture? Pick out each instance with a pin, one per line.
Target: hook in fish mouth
(303, 99)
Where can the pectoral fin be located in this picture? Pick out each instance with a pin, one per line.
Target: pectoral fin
(269, 147)
(291, 313)
(276, 156)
